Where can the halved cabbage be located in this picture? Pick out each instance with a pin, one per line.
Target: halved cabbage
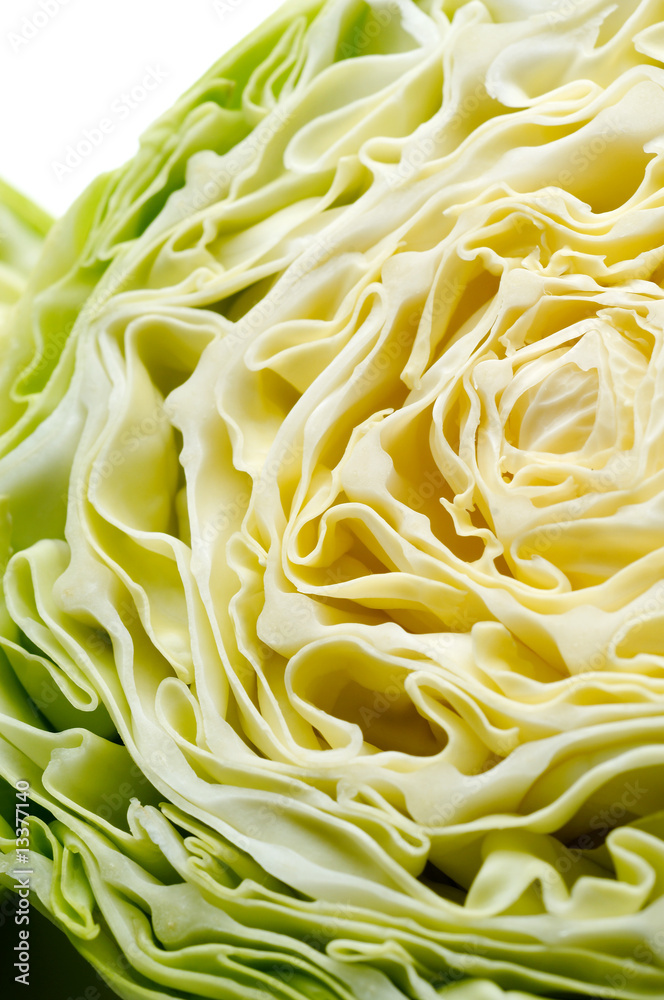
(331, 464)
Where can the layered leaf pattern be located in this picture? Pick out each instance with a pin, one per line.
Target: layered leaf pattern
(331, 463)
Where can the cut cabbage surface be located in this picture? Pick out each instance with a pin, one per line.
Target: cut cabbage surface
(332, 518)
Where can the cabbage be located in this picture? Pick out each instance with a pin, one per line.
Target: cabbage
(331, 449)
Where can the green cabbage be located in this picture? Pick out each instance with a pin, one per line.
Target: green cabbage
(331, 451)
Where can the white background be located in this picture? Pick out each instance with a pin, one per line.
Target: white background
(82, 56)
